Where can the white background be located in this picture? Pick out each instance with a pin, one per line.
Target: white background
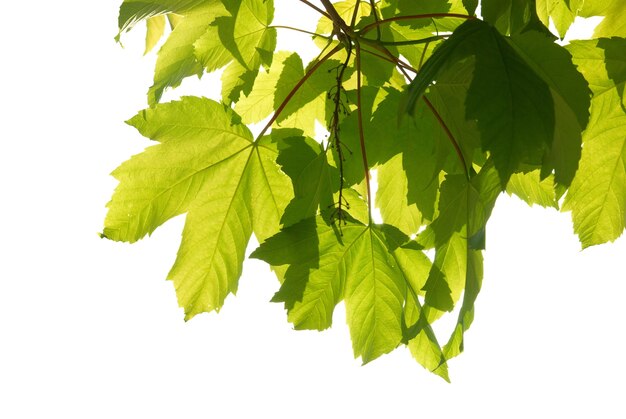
(90, 329)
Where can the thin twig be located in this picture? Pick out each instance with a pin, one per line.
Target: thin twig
(300, 30)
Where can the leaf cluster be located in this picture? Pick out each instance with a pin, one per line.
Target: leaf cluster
(449, 110)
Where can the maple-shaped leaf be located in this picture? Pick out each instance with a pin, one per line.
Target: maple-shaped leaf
(327, 265)
(511, 104)
(208, 166)
(597, 196)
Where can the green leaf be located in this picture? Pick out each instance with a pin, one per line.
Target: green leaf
(208, 166)
(327, 265)
(393, 197)
(571, 97)
(438, 61)
(176, 59)
(597, 196)
(473, 283)
(236, 79)
(510, 103)
(562, 13)
(464, 207)
(513, 106)
(271, 89)
(246, 33)
(614, 22)
(314, 180)
(511, 16)
(345, 9)
(530, 188)
(134, 11)
(155, 28)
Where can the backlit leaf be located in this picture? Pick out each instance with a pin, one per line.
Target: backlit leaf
(209, 166)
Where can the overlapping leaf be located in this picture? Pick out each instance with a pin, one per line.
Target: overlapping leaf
(497, 105)
(359, 265)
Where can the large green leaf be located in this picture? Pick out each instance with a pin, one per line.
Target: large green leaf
(208, 166)
(597, 196)
(511, 104)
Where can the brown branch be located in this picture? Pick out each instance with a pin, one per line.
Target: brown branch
(338, 21)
